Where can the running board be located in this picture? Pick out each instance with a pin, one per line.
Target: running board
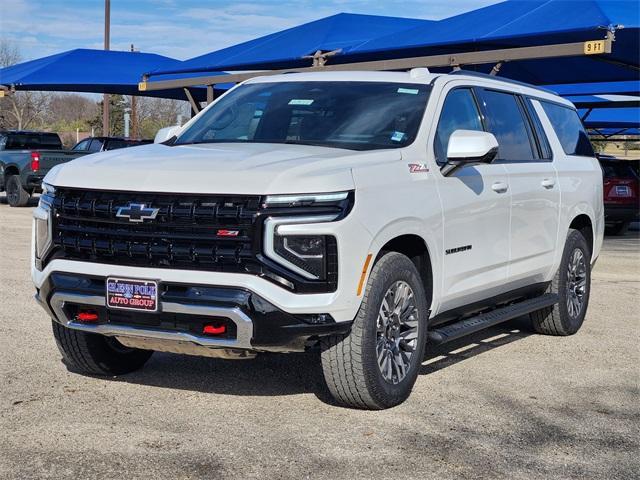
(465, 327)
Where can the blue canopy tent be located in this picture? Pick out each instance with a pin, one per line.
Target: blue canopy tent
(611, 88)
(288, 48)
(94, 71)
(507, 25)
(610, 122)
(525, 24)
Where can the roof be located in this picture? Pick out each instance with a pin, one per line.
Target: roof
(86, 70)
(286, 48)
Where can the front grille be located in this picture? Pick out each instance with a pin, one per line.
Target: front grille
(190, 232)
(187, 232)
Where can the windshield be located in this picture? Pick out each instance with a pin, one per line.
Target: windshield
(351, 115)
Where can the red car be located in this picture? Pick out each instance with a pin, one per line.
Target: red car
(621, 194)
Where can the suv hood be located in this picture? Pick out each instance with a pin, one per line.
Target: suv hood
(230, 168)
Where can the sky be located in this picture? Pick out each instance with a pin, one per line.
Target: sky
(183, 29)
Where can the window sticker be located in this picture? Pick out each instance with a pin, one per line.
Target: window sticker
(300, 101)
(410, 91)
(397, 136)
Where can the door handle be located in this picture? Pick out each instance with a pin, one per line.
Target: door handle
(548, 183)
(499, 187)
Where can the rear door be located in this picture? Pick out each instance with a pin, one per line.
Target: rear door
(476, 202)
(525, 154)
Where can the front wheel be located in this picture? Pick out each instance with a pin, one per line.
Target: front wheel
(376, 365)
(95, 354)
(572, 283)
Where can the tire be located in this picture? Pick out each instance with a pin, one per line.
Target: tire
(93, 354)
(350, 361)
(16, 195)
(564, 319)
(618, 228)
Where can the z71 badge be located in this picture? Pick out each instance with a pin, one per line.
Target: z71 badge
(418, 168)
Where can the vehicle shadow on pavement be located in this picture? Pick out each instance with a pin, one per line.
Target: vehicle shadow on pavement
(280, 374)
(442, 356)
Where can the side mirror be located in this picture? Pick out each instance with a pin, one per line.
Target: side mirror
(468, 147)
(166, 133)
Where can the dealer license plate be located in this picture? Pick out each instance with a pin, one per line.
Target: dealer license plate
(130, 294)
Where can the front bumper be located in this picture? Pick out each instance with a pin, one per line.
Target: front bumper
(255, 324)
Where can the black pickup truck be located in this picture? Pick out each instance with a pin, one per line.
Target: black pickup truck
(25, 158)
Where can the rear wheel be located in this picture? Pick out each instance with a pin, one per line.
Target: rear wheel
(572, 283)
(16, 195)
(95, 354)
(376, 365)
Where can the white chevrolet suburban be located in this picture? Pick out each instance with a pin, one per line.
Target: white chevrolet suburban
(366, 214)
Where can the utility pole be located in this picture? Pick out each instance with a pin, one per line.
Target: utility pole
(134, 113)
(105, 98)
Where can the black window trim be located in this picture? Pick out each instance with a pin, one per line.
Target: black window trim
(531, 133)
(540, 135)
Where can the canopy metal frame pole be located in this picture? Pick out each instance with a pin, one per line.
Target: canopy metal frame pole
(105, 98)
(603, 46)
(194, 105)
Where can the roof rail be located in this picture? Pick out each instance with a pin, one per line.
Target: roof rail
(502, 79)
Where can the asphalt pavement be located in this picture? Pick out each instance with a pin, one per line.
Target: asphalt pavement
(502, 404)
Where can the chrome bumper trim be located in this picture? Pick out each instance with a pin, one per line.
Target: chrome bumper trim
(244, 325)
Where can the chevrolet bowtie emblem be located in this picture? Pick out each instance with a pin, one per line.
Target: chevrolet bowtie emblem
(137, 212)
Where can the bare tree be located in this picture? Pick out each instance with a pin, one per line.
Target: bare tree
(70, 109)
(155, 113)
(19, 110)
(9, 53)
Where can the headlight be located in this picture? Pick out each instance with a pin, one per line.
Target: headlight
(306, 255)
(42, 224)
(304, 199)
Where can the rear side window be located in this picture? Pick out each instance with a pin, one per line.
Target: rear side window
(115, 144)
(569, 129)
(459, 112)
(96, 145)
(508, 124)
(83, 145)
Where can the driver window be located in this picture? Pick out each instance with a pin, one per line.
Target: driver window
(459, 112)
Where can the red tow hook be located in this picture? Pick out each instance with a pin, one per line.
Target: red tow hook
(214, 329)
(87, 317)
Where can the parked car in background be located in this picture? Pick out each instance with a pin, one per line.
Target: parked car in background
(621, 193)
(25, 158)
(102, 144)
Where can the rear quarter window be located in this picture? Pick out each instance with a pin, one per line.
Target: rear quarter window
(31, 141)
(569, 129)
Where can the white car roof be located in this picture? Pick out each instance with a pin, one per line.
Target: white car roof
(417, 76)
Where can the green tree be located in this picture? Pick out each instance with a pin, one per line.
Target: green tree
(117, 105)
